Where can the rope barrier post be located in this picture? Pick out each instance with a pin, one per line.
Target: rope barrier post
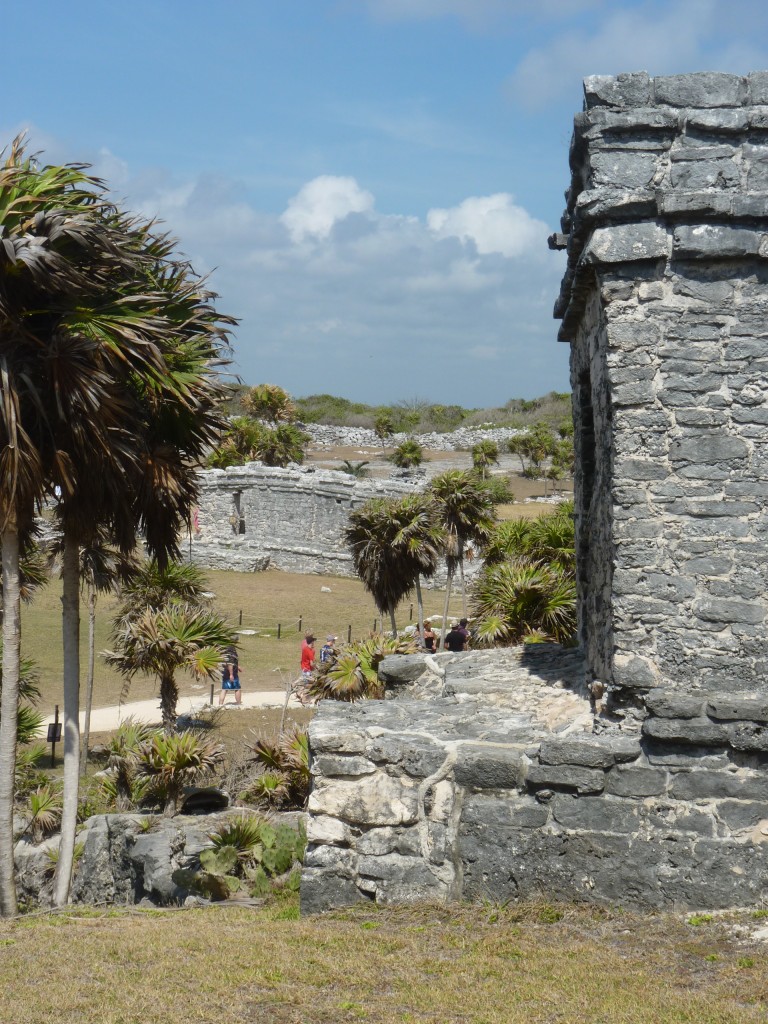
(211, 694)
(410, 613)
(278, 630)
(241, 616)
(300, 618)
(349, 634)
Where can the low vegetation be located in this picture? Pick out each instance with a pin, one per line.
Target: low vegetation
(531, 963)
(419, 415)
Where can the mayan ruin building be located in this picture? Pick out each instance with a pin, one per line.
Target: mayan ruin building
(635, 768)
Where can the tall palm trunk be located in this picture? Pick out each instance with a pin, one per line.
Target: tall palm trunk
(169, 696)
(394, 624)
(89, 676)
(419, 606)
(70, 627)
(444, 626)
(9, 707)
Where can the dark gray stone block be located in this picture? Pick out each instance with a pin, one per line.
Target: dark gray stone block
(724, 610)
(704, 89)
(595, 814)
(625, 90)
(672, 704)
(321, 891)
(686, 730)
(585, 753)
(486, 767)
(636, 782)
(583, 780)
(521, 812)
(734, 707)
(401, 669)
(741, 815)
(703, 784)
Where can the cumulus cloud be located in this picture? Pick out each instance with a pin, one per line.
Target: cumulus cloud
(493, 223)
(322, 203)
(335, 296)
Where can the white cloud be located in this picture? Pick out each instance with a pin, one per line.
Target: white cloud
(493, 223)
(668, 38)
(323, 202)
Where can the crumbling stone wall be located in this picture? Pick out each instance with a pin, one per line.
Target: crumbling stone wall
(665, 304)
(253, 516)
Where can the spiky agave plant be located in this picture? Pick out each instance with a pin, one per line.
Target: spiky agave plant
(518, 601)
(285, 777)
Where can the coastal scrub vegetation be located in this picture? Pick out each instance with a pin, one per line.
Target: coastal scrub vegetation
(418, 415)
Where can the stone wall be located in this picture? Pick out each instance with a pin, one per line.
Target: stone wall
(483, 779)
(666, 306)
(251, 517)
(635, 771)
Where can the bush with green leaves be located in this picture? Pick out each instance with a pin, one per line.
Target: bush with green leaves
(526, 590)
(284, 778)
(171, 761)
(120, 783)
(353, 675)
(44, 812)
(407, 454)
(248, 853)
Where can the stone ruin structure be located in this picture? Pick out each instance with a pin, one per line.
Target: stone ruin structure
(255, 517)
(635, 768)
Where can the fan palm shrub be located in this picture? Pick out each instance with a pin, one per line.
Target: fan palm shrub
(354, 675)
(285, 779)
(269, 402)
(45, 812)
(407, 454)
(484, 454)
(171, 761)
(524, 601)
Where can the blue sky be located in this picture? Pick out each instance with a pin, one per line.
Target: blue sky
(370, 183)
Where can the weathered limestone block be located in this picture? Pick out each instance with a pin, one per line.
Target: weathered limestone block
(480, 766)
(371, 800)
(582, 780)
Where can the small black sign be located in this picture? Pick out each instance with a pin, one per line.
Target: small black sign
(54, 732)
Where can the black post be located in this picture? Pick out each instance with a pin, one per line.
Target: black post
(349, 634)
(300, 618)
(410, 613)
(278, 631)
(211, 694)
(54, 735)
(241, 616)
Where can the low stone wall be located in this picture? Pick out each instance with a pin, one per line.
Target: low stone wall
(488, 776)
(361, 437)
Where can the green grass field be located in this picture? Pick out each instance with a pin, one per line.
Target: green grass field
(265, 599)
(533, 964)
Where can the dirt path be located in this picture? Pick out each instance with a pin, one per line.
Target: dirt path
(108, 719)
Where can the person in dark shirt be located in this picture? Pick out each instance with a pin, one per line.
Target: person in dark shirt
(455, 640)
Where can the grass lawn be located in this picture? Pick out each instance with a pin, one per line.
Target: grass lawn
(265, 599)
(533, 964)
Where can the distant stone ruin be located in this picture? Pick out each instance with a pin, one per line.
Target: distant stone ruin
(634, 770)
(253, 517)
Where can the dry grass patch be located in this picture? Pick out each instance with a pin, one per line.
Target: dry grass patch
(265, 599)
(464, 964)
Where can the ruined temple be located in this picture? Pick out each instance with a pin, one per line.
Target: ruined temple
(633, 769)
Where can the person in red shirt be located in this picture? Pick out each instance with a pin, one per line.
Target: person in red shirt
(308, 656)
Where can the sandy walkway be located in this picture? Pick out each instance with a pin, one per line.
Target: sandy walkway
(109, 718)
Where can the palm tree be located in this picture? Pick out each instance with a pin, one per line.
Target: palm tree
(384, 428)
(385, 569)
(281, 445)
(467, 514)
(53, 225)
(359, 470)
(163, 642)
(419, 539)
(269, 402)
(521, 599)
(149, 585)
(102, 569)
(484, 454)
(407, 454)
